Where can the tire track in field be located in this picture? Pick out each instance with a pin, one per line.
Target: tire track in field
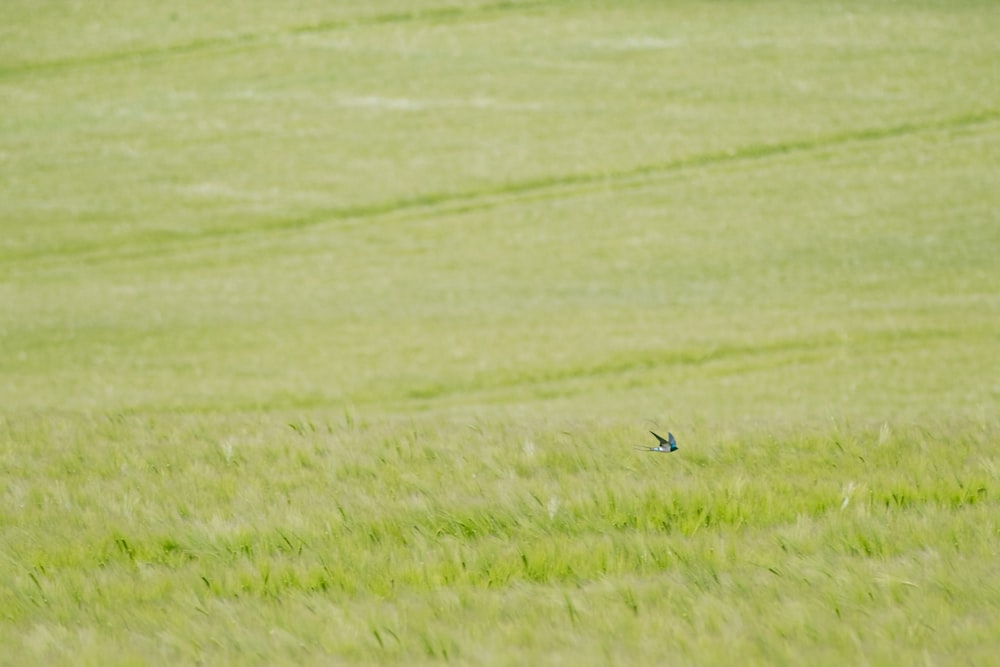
(641, 370)
(540, 189)
(636, 370)
(248, 39)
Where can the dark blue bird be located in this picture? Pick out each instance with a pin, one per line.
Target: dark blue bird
(665, 446)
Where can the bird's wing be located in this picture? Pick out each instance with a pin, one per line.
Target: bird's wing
(670, 439)
(662, 441)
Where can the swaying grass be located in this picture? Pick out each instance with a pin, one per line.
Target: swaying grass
(327, 333)
(415, 539)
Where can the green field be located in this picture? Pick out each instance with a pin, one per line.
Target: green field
(328, 331)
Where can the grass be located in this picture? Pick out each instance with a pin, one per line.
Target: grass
(328, 334)
(409, 541)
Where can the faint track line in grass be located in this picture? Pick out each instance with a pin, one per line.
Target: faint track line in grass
(239, 40)
(539, 384)
(550, 187)
(538, 189)
(801, 350)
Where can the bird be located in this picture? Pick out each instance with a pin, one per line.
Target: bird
(665, 446)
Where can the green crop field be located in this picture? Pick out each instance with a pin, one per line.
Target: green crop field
(328, 332)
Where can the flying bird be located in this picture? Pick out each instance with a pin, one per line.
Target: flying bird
(665, 446)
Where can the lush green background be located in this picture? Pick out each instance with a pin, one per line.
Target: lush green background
(327, 331)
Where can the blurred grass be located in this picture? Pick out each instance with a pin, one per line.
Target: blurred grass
(855, 274)
(323, 328)
(186, 538)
